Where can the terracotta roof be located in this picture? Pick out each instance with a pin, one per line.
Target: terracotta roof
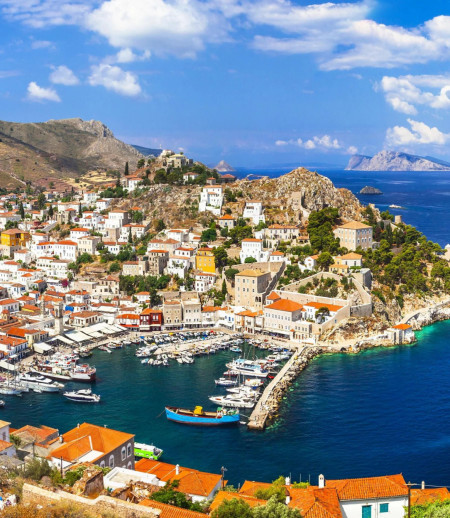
(4, 445)
(351, 255)
(273, 296)
(88, 437)
(250, 488)
(251, 240)
(285, 305)
(66, 243)
(277, 252)
(316, 503)
(250, 273)
(367, 488)
(226, 216)
(170, 511)
(221, 496)
(355, 225)
(403, 327)
(318, 305)
(150, 311)
(128, 316)
(191, 481)
(424, 496)
(32, 433)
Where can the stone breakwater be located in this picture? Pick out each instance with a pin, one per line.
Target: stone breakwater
(267, 407)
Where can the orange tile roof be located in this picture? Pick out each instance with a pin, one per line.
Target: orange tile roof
(318, 305)
(316, 503)
(351, 255)
(403, 327)
(273, 296)
(170, 511)
(150, 311)
(251, 240)
(4, 445)
(431, 494)
(250, 488)
(191, 481)
(367, 488)
(222, 496)
(285, 305)
(226, 216)
(88, 437)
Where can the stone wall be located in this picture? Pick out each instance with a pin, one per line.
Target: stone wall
(102, 504)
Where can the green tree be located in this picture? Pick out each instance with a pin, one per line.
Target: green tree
(85, 258)
(80, 212)
(234, 508)
(250, 260)
(114, 267)
(50, 211)
(230, 273)
(224, 288)
(160, 176)
(141, 163)
(209, 235)
(169, 495)
(276, 490)
(275, 509)
(160, 225)
(127, 169)
(325, 260)
(320, 230)
(434, 509)
(41, 201)
(137, 216)
(220, 257)
(21, 210)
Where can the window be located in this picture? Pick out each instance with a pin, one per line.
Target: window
(384, 508)
(111, 462)
(366, 511)
(124, 453)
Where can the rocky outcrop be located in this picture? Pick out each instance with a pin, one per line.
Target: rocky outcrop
(370, 190)
(395, 161)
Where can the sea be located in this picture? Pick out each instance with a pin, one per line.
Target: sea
(382, 411)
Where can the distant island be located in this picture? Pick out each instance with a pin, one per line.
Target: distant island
(224, 167)
(370, 190)
(395, 161)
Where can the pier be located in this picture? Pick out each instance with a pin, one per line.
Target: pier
(269, 402)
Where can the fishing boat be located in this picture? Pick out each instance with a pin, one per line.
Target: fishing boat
(147, 451)
(199, 417)
(82, 396)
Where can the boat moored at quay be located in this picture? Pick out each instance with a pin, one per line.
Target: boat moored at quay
(198, 417)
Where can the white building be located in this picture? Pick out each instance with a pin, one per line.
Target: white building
(254, 210)
(66, 249)
(211, 199)
(253, 248)
(204, 281)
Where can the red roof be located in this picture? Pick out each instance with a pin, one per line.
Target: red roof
(368, 488)
(285, 305)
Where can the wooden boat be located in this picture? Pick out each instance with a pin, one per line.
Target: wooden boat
(198, 417)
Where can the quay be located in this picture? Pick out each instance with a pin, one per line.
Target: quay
(270, 400)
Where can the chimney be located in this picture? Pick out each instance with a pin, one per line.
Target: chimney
(60, 438)
(423, 484)
(177, 469)
(321, 481)
(288, 499)
(287, 481)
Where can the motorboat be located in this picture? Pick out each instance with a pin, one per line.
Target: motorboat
(105, 348)
(147, 451)
(84, 373)
(37, 381)
(233, 401)
(248, 368)
(82, 396)
(225, 382)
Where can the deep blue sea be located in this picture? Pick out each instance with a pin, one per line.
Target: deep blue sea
(425, 196)
(378, 412)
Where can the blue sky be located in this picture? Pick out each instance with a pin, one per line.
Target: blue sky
(254, 82)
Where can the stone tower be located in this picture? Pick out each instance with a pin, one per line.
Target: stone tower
(59, 318)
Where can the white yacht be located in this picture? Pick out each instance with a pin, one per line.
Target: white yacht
(36, 381)
(82, 396)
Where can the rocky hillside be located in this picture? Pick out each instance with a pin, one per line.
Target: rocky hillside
(64, 147)
(395, 161)
(287, 199)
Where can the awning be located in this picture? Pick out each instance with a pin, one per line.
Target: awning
(42, 347)
(7, 366)
(91, 332)
(62, 339)
(77, 336)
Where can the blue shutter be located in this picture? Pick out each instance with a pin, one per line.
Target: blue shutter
(384, 508)
(366, 511)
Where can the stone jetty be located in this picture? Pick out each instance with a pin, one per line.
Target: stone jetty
(268, 404)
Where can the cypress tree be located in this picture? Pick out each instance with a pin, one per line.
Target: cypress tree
(127, 172)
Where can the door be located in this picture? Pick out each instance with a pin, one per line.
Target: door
(366, 511)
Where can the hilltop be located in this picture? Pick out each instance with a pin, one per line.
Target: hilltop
(395, 161)
(60, 148)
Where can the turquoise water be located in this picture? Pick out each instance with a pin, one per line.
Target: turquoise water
(379, 412)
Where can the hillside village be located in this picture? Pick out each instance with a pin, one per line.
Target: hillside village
(91, 257)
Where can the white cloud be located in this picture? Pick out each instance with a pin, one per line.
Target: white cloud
(115, 79)
(324, 143)
(41, 44)
(403, 93)
(128, 56)
(352, 150)
(62, 75)
(44, 13)
(179, 27)
(420, 133)
(37, 93)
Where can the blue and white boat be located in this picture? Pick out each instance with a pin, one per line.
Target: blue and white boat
(198, 417)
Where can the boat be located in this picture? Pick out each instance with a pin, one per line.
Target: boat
(10, 390)
(84, 373)
(147, 451)
(394, 206)
(2, 403)
(248, 368)
(37, 381)
(105, 348)
(82, 396)
(198, 417)
(233, 401)
(235, 349)
(84, 353)
(253, 382)
(225, 382)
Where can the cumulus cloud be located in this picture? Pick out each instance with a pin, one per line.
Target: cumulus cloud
(41, 44)
(420, 133)
(405, 93)
(115, 79)
(323, 143)
(62, 75)
(37, 93)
